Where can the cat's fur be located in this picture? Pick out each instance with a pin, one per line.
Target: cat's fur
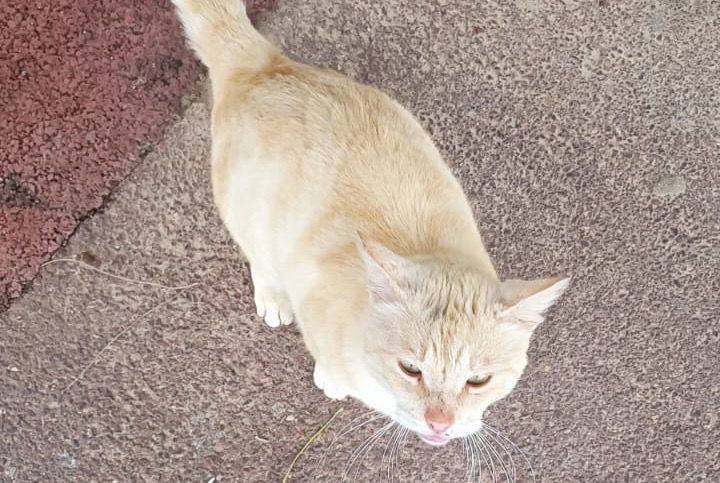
(355, 227)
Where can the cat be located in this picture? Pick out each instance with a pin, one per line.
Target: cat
(355, 228)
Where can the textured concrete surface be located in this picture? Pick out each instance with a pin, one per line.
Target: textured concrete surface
(586, 134)
(86, 87)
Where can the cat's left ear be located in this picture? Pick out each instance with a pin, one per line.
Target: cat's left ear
(384, 270)
(525, 302)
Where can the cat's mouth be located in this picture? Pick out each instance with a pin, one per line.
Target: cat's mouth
(434, 439)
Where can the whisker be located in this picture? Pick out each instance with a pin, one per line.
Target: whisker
(386, 455)
(482, 447)
(469, 462)
(500, 460)
(394, 452)
(480, 459)
(399, 445)
(344, 431)
(361, 452)
(465, 450)
(375, 415)
(500, 434)
(369, 449)
(504, 448)
(472, 450)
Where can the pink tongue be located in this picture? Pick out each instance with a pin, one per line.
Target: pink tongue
(434, 439)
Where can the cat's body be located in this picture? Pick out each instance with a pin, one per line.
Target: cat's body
(355, 227)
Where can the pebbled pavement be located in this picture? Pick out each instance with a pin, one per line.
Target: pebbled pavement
(586, 134)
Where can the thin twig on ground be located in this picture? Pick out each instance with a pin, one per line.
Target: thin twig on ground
(129, 326)
(310, 441)
(133, 322)
(117, 277)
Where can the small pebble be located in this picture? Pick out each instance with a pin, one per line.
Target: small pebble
(670, 186)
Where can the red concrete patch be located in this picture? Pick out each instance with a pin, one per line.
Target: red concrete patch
(85, 85)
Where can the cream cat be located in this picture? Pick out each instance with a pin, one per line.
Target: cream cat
(355, 228)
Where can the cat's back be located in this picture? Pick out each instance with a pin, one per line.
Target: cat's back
(320, 122)
(346, 152)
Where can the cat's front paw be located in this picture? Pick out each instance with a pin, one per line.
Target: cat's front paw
(325, 382)
(273, 307)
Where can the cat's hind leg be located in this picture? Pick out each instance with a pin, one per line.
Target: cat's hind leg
(271, 301)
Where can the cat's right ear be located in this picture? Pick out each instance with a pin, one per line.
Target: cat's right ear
(525, 302)
(383, 268)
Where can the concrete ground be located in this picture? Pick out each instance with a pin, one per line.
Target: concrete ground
(86, 89)
(586, 134)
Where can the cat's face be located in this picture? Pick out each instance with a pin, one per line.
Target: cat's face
(445, 367)
(447, 343)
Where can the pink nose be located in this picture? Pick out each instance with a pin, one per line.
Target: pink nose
(438, 420)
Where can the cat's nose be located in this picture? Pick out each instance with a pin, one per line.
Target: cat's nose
(438, 420)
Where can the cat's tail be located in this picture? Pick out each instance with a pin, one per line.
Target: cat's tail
(221, 34)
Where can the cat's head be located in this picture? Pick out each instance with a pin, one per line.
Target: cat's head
(446, 341)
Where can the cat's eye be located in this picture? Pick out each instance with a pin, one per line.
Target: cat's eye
(478, 381)
(410, 369)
